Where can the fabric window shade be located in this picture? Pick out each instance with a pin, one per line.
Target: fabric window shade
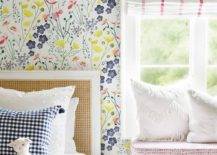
(172, 7)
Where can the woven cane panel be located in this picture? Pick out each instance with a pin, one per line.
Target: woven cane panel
(83, 113)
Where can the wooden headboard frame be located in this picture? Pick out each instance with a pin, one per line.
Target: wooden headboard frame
(92, 76)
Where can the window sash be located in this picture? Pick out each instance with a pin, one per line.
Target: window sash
(131, 65)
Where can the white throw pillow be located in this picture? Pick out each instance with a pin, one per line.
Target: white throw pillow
(21, 101)
(203, 118)
(70, 146)
(161, 112)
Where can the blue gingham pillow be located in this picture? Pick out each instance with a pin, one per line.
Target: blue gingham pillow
(35, 125)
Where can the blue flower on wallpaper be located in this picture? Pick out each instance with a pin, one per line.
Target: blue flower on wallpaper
(102, 79)
(111, 3)
(116, 61)
(109, 147)
(109, 80)
(116, 129)
(40, 29)
(109, 72)
(102, 146)
(108, 10)
(112, 73)
(46, 25)
(110, 64)
(31, 44)
(99, 9)
(43, 38)
(112, 141)
(40, 46)
(110, 132)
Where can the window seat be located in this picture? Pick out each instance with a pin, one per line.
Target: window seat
(173, 148)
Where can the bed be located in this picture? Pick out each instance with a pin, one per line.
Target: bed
(87, 130)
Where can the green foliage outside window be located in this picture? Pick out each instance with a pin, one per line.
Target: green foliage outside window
(212, 55)
(164, 42)
(212, 81)
(163, 76)
(212, 58)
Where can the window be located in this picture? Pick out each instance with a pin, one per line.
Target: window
(212, 58)
(164, 50)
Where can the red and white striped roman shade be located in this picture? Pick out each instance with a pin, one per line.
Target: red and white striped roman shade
(172, 7)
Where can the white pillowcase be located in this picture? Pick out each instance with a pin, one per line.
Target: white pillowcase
(70, 146)
(203, 118)
(161, 112)
(20, 101)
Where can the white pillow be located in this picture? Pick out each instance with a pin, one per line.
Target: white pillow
(70, 146)
(20, 101)
(160, 112)
(203, 118)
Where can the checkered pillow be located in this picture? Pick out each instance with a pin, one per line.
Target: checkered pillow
(35, 125)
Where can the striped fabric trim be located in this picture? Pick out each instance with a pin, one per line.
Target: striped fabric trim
(143, 6)
(172, 7)
(181, 6)
(162, 7)
(200, 7)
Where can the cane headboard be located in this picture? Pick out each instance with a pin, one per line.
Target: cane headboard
(87, 130)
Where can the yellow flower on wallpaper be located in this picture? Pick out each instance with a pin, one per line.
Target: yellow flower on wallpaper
(60, 43)
(98, 33)
(26, 23)
(39, 3)
(30, 67)
(108, 106)
(94, 41)
(27, 13)
(97, 48)
(5, 10)
(76, 45)
(127, 145)
(96, 58)
(109, 38)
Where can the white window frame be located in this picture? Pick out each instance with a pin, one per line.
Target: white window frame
(131, 64)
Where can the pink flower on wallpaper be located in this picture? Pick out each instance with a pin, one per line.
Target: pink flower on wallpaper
(3, 40)
(71, 3)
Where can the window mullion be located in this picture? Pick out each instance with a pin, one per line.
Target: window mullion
(198, 48)
(130, 70)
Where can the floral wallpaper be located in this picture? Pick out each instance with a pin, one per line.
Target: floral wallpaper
(68, 35)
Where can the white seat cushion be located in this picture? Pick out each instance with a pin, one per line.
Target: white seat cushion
(173, 148)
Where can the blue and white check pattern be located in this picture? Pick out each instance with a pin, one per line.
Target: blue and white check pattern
(36, 125)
